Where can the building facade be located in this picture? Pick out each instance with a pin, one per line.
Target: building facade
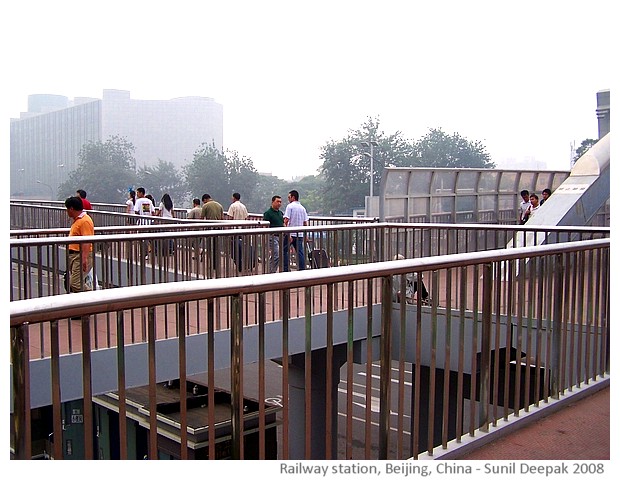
(46, 140)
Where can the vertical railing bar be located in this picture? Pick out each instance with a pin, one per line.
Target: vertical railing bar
(56, 397)
(329, 407)
(261, 374)
(557, 326)
(417, 387)
(485, 355)
(369, 365)
(20, 358)
(211, 370)
(598, 282)
(579, 317)
(496, 269)
(308, 368)
(236, 376)
(182, 335)
(606, 321)
(588, 315)
(533, 293)
(386, 368)
(151, 332)
(563, 381)
(572, 322)
(474, 350)
(433, 360)
(546, 331)
(39, 250)
(122, 398)
(402, 352)
(462, 278)
(349, 404)
(509, 289)
(87, 389)
(520, 305)
(448, 358)
(285, 310)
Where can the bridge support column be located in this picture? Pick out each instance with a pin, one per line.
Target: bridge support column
(318, 408)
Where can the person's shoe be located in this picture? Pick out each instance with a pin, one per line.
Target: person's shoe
(427, 301)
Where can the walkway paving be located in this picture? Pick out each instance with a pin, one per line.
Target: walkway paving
(581, 431)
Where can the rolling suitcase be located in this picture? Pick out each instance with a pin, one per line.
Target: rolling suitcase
(319, 259)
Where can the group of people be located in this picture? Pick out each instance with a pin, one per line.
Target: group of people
(294, 215)
(140, 203)
(530, 203)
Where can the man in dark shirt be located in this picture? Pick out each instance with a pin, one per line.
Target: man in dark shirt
(275, 217)
(211, 210)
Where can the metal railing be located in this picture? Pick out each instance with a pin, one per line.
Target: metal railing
(362, 372)
(28, 213)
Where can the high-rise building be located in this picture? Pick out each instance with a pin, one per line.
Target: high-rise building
(46, 140)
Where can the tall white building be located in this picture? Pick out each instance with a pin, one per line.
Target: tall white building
(46, 140)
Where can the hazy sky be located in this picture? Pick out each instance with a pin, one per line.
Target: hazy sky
(520, 76)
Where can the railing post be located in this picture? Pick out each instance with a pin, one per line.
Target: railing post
(87, 388)
(386, 367)
(236, 379)
(122, 397)
(181, 310)
(557, 326)
(21, 391)
(485, 347)
(57, 421)
(151, 332)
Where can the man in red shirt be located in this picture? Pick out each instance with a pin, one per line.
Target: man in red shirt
(85, 203)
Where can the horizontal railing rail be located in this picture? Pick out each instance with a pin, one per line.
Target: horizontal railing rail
(26, 213)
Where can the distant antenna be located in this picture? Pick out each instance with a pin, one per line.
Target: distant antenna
(572, 154)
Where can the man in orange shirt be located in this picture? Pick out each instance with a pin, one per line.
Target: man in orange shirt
(80, 254)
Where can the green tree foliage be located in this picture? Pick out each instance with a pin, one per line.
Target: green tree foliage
(259, 200)
(242, 175)
(220, 175)
(206, 173)
(105, 170)
(583, 148)
(437, 149)
(346, 165)
(164, 178)
(310, 188)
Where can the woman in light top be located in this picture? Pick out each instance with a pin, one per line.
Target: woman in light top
(166, 206)
(131, 201)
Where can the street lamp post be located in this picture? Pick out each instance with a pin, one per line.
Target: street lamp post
(372, 167)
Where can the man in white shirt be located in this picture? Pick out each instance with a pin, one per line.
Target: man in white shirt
(296, 215)
(525, 204)
(143, 206)
(237, 210)
(533, 208)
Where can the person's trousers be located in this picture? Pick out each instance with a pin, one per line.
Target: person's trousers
(76, 274)
(274, 245)
(298, 244)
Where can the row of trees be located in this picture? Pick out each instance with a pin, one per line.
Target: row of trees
(107, 170)
(346, 165)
